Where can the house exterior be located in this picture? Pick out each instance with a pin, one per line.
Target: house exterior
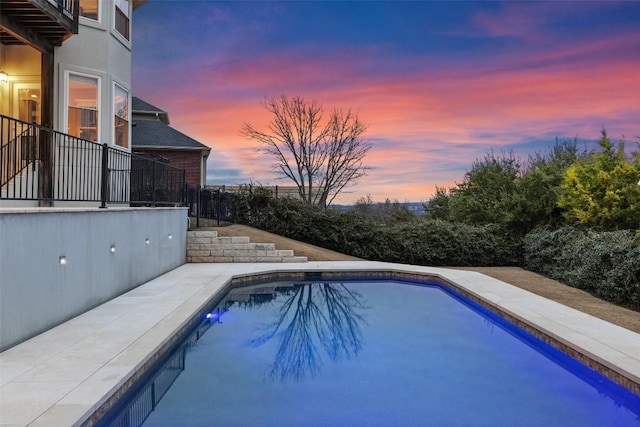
(70, 69)
(64, 65)
(65, 140)
(153, 137)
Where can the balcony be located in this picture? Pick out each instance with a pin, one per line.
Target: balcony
(39, 166)
(40, 23)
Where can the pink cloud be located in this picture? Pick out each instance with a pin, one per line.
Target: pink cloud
(516, 19)
(421, 119)
(528, 21)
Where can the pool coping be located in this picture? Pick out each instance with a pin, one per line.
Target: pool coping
(71, 374)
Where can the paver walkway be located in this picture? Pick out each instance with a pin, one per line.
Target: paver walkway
(519, 277)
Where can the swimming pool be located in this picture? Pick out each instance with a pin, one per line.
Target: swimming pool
(377, 353)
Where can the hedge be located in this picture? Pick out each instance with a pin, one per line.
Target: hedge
(419, 242)
(606, 264)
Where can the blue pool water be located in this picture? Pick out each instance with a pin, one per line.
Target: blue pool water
(379, 354)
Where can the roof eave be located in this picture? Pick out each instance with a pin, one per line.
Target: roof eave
(138, 3)
(170, 148)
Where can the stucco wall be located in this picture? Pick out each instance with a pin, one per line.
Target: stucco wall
(98, 51)
(38, 292)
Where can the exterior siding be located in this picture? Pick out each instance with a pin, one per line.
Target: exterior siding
(98, 50)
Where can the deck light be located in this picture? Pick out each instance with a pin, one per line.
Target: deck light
(62, 260)
(4, 77)
(113, 249)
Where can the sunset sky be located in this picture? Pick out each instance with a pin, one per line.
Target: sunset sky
(439, 83)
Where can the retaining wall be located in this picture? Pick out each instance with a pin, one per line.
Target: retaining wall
(58, 263)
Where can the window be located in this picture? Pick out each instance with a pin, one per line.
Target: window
(83, 107)
(122, 17)
(120, 116)
(90, 9)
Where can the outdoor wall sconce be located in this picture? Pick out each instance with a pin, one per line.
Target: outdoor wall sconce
(4, 77)
(62, 260)
(146, 241)
(113, 249)
(170, 236)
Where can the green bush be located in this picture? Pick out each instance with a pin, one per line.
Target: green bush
(414, 241)
(545, 251)
(606, 264)
(601, 190)
(500, 190)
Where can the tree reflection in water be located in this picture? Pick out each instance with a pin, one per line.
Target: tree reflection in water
(314, 319)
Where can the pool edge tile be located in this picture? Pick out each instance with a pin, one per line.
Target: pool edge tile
(211, 280)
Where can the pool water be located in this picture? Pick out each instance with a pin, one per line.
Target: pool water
(379, 354)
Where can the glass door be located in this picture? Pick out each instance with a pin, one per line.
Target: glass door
(27, 101)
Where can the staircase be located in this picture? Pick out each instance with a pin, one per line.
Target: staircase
(21, 186)
(206, 246)
(19, 159)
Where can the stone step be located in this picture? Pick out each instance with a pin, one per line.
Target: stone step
(295, 259)
(202, 233)
(206, 246)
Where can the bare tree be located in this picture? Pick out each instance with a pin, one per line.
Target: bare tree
(315, 320)
(322, 157)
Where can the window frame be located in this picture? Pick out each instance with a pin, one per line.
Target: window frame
(127, 14)
(91, 20)
(67, 105)
(120, 86)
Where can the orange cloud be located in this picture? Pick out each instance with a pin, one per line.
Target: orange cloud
(426, 125)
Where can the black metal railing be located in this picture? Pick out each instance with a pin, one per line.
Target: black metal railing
(155, 183)
(71, 10)
(211, 204)
(17, 153)
(38, 163)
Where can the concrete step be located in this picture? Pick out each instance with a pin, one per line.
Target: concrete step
(206, 246)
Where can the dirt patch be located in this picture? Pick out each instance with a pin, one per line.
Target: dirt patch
(557, 291)
(519, 277)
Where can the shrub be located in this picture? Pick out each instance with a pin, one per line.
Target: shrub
(545, 251)
(421, 242)
(606, 264)
(600, 191)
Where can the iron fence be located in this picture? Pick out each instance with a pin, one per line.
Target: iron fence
(211, 204)
(155, 183)
(40, 164)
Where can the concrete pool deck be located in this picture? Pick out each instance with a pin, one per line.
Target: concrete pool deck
(61, 377)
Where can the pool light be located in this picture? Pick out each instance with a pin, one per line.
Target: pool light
(214, 316)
